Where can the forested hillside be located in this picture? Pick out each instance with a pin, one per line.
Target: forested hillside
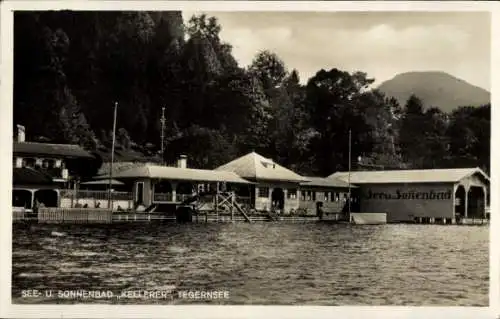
(71, 67)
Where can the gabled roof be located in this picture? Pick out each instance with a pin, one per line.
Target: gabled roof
(182, 174)
(451, 175)
(326, 182)
(65, 150)
(30, 176)
(256, 167)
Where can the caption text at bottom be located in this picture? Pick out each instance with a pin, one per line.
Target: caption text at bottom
(127, 294)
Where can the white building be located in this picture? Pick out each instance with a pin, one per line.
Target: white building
(433, 193)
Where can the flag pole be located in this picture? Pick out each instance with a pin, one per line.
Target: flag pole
(110, 203)
(349, 179)
(162, 135)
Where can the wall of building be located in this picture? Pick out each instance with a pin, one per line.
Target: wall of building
(56, 166)
(33, 189)
(291, 202)
(404, 202)
(333, 200)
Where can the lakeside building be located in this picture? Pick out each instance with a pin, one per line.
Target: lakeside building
(40, 170)
(275, 188)
(259, 183)
(330, 193)
(49, 174)
(158, 184)
(428, 193)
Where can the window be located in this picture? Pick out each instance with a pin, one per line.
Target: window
(303, 195)
(29, 162)
(263, 192)
(292, 193)
(313, 196)
(330, 197)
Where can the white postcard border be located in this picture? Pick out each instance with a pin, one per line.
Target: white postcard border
(135, 311)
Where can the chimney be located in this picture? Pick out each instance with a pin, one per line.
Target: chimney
(182, 161)
(21, 136)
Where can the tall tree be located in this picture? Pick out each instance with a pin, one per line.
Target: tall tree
(269, 69)
(469, 134)
(412, 132)
(332, 105)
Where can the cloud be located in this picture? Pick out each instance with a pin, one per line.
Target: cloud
(380, 47)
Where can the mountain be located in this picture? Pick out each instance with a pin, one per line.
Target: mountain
(435, 89)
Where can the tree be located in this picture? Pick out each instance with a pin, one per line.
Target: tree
(269, 69)
(332, 104)
(378, 113)
(469, 134)
(436, 142)
(216, 110)
(412, 132)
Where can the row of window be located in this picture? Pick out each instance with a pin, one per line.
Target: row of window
(32, 163)
(307, 195)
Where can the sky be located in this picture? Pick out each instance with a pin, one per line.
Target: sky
(382, 44)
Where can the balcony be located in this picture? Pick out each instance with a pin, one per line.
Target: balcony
(168, 197)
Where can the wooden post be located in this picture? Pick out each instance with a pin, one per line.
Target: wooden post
(73, 194)
(485, 193)
(173, 186)
(110, 186)
(217, 202)
(466, 208)
(349, 180)
(232, 205)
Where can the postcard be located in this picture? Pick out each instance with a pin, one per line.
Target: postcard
(249, 159)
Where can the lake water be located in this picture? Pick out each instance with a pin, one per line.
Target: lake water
(263, 263)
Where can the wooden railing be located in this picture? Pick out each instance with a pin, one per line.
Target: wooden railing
(168, 197)
(74, 215)
(98, 195)
(162, 197)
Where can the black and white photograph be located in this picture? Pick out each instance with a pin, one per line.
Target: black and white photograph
(200, 157)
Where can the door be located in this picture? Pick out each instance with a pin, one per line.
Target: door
(139, 194)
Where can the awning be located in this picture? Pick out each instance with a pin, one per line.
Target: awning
(30, 176)
(103, 182)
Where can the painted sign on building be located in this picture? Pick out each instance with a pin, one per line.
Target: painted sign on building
(400, 194)
(404, 202)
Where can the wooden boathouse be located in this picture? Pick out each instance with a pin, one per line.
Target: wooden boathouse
(433, 195)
